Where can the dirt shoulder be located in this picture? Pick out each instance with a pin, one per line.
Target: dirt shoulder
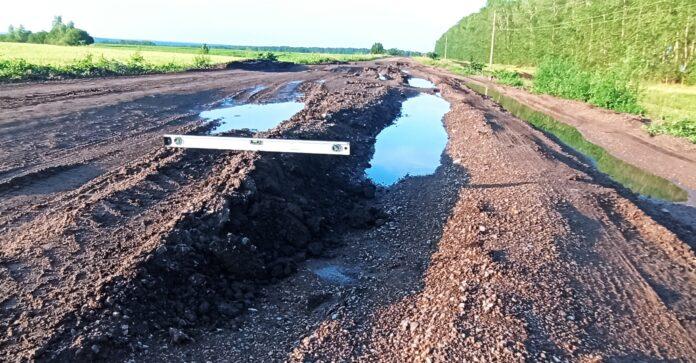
(620, 134)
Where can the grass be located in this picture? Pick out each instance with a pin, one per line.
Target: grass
(614, 89)
(672, 108)
(57, 55)
(22, 61)
(294, 57)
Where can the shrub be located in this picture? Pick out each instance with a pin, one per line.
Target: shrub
(268, 56)
(201, 62)
(476, 67)
(612, 88)
(432, 55)
(508, 77)
(684, 128)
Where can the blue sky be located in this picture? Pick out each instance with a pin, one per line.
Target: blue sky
(349, 23)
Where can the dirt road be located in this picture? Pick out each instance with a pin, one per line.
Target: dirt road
(114, 248)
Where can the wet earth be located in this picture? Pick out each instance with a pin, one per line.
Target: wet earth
(454, 232)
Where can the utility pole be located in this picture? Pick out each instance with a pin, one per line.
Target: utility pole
(490, 60)
(445, 46)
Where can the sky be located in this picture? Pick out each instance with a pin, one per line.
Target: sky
(348, 23)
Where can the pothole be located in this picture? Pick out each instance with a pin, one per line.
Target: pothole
(333, 273)
(420, 83)
(412, 145)
(255, 117)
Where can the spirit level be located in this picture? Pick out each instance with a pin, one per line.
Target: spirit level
(253, 144)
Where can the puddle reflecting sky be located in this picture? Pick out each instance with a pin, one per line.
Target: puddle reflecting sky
(420, 83)
(413, 144)
(259, 117)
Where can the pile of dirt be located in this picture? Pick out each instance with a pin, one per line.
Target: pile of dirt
(266, 66)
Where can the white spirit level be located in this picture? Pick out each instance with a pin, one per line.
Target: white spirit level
(252, 144)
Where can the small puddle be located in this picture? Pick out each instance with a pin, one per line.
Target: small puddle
(333, 273)
(412, 145)
(420, 83)
(255, 117)
(632, 177)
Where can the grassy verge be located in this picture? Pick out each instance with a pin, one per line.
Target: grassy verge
(22, 61)
(671, 107)
(508, 75)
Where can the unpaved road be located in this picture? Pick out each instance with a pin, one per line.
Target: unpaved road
(114, 248)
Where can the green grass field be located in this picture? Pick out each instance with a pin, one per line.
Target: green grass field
(301, 58)
(56, 55)
(23, 61)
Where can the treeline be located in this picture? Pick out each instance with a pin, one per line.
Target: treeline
(124, 41)
(654, 38)
(294, 49)
(378, 48)
(60, 34)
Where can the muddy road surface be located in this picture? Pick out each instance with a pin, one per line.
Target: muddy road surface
(115, 248)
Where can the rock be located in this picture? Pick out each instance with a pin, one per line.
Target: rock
(368, 190)
(315, 248)
(203, 307)
(95, 348)
(176, 336)
(227, 309)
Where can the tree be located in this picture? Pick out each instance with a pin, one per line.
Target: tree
(60, 34)
(377, 48)
(205, 49)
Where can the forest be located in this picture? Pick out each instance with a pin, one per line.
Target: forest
(654, 39)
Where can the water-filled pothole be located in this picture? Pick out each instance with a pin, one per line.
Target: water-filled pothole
(632, 177)
(412, 145)
(420, 83)
(257, 117)
(333, 273)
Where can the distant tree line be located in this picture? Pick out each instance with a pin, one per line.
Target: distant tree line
(126, 42)
(655, 37)
(282, 48)
(60, 34)
(378, 48)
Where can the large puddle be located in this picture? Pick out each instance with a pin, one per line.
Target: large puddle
(634, 178)
(420, 83)
(413, 144)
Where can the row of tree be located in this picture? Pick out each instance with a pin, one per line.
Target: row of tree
(378, 48)
(656, 37)
(60, 34)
